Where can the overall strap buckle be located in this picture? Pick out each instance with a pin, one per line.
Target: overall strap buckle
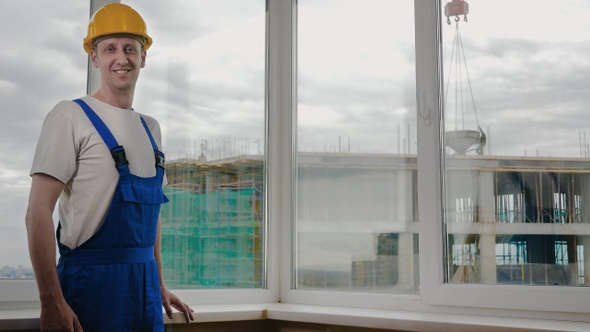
(119, 156)
(159, 159)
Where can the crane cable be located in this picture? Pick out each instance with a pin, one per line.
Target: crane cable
(458, 46)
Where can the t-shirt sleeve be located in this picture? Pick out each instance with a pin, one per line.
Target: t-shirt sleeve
(56, 150)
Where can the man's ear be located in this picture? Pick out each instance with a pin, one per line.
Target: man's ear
(94, 57)
(143, 57)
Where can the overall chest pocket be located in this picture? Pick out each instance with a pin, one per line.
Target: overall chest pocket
(142, 190)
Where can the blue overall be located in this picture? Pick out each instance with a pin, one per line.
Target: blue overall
(111, 281)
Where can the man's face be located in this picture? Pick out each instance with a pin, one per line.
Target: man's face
(119, 61)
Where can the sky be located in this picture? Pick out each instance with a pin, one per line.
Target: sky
(527, 63)
(39, 65)
(529, 66)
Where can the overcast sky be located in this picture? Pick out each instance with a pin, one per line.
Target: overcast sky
(528, 64)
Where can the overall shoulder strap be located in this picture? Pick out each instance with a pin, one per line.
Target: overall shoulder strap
(117, 151)
(159, 154)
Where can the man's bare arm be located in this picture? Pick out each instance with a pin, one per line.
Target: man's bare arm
(55, 312)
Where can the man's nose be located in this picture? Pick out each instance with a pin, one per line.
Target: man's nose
(122, 58)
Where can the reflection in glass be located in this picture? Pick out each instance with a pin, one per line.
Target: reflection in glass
(204, 81)
(517, 162)
(356, 225)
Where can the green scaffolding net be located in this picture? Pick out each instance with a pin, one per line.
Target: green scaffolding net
(212, 240)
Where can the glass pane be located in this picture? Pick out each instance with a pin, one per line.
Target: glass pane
(356, 139)
(205, 81)
(39, 66)
(517, 151)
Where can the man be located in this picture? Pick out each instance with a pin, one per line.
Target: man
(102, 160)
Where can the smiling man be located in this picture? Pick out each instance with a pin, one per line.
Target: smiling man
(100, 162)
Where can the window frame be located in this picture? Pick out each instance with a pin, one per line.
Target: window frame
(273, 175)
(435, 296)
(23, 294)
(549, 301)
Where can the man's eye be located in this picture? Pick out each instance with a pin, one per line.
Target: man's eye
(130, 50)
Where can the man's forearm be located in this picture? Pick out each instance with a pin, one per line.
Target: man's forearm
(45, 191)
(42, 250)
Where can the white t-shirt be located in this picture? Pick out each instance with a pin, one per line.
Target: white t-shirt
(71, 150)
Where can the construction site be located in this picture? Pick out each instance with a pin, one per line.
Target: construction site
(506, 219)
(518, 220)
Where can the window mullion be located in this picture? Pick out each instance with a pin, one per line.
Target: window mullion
(281, 141)
(93, 81)
(428, 81)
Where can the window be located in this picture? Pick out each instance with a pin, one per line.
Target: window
(453, 177)
(356, 224)
(515, 146)
(368, 124)
(204, 81)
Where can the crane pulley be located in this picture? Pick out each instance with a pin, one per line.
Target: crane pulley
(456, 8)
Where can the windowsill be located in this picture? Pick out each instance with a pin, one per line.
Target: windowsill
(415, 321)
(22, 319)
(19, 319)
(26, 319)
(222, 313)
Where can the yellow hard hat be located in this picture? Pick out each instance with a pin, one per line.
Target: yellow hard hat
(116, 18)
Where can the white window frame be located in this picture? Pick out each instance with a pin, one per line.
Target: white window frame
(273, 178)
(23, 294)
(435, 296)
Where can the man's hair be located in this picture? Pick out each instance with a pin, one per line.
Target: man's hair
(97, 40)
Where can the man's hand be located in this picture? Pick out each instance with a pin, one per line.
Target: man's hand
(170, 301)
(58, 316)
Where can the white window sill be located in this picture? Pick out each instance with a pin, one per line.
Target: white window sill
(27, 319)
(416, 321)
(208, 313)
(22, 319)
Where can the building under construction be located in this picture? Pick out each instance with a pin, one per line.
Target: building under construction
(518, 220)
(211, 233)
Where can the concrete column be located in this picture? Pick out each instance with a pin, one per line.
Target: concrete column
(583, 181)
(406, 260)
(485, 204)
(585, 241)
(487, 240)
(487, 249)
